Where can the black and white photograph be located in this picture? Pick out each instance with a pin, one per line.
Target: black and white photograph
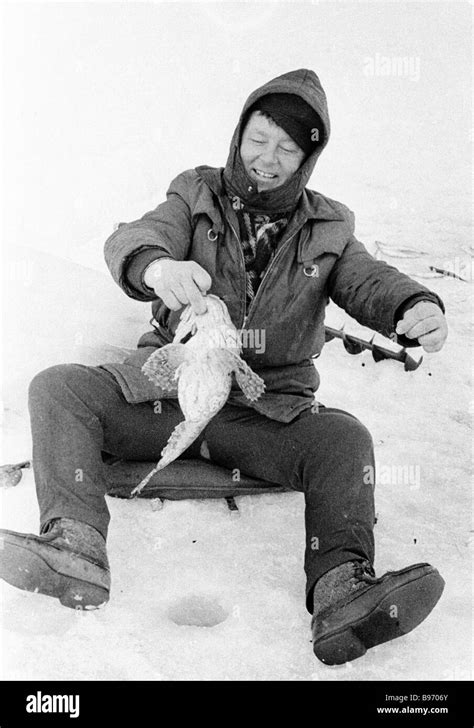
(237, 347)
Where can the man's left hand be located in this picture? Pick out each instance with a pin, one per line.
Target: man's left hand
(426, 322)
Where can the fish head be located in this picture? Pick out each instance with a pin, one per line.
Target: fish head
(187, 325)
(214, 326)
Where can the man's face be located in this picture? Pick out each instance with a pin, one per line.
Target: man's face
(269, 155)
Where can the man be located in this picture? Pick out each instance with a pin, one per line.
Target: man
(274, 252)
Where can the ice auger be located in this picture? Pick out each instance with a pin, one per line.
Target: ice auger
(355, 345)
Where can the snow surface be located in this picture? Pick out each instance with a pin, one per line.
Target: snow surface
(193, 561)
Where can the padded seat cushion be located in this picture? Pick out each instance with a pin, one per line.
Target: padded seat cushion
(183, 479)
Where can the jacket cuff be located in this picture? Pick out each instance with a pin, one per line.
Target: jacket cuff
(136, 266)
(403, 340)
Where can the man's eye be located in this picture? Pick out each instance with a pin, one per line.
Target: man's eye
(289, 151)
(258, 141)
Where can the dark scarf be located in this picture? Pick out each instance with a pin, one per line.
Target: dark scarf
(281, 200)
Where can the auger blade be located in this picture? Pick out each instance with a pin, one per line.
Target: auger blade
(330, 334)
(410, 363)
(353, 345)
(379, 353)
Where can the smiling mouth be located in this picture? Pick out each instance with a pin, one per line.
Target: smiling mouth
(263, 175)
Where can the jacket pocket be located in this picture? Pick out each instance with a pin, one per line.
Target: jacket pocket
(320, 247)
(322, 237)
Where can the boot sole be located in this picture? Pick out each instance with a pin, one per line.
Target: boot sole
(28, 571)
(414, 600)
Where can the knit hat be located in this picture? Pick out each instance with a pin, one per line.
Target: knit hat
(294, 116)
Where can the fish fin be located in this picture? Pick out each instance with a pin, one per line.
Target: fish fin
(250, 383)
(160, 367)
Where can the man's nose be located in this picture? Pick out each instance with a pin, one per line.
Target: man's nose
(268, 155)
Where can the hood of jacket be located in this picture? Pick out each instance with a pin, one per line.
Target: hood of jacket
(305, 84)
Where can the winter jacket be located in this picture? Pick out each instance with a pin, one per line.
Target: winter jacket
(317, 259)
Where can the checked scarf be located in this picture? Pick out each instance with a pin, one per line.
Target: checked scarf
(259, 235)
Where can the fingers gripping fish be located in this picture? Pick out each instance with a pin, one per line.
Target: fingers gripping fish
(201, 370)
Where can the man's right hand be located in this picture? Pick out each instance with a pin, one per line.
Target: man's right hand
(179, 282)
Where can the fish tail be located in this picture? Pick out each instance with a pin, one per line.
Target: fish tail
(181, 438)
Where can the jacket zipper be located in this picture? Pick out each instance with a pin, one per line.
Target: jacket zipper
(278, 254)
(242, 261)
(242, 269)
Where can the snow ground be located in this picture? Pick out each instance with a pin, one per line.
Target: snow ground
(193, 561)
(97, 138)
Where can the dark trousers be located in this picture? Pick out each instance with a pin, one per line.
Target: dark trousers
(79, 412)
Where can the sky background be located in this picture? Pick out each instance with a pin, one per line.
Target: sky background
(104, 103)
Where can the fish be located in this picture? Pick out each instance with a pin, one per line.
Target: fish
(201, 370)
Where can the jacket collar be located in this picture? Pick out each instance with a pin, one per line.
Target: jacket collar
(316, 206)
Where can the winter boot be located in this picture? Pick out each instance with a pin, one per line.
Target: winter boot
(353, 610)
(68, 560)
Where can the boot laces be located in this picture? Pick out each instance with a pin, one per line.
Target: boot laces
(364, 571)
(52, 531)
